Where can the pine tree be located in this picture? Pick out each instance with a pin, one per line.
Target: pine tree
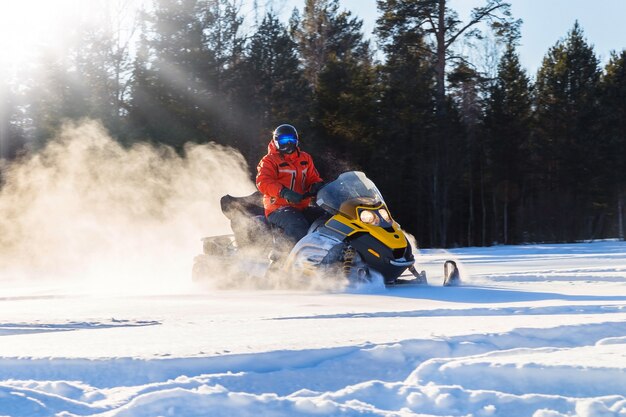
(181, 75)
(273, 60)
(142, 107)
(508, 127)
(338, 66)
(406, 130)
(345, 107)
(176, 84)
(86, 78)
(98, 75)
(12, 121)
(612, 144)
(565, 142)
(312, 33)
(55, 94)
(436, 29)
(466, 87)
(435, 19)
(271, 89)
(224, 46)
(344, 100)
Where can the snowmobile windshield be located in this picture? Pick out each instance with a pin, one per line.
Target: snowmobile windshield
(349, 190)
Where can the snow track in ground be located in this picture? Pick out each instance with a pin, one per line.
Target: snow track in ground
(521, 346)
(469, 374)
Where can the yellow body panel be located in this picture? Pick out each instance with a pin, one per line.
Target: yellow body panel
(393, 240)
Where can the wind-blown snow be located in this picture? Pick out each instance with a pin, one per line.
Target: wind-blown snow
(535, 330)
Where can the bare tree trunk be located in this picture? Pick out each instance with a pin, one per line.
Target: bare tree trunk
(620, 215)
(440, 66)
(483, 206)
(435, 207)
(440, 137)
(440, 163)
(4, 137)
(470, 222)
(518, 227)
(505, 219)
(494, 210)
(444, 214)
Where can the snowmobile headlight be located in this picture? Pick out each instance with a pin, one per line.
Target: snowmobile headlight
(368, 217)
(385, 215)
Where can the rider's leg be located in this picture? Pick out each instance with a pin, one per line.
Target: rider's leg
(292, 221)
(313, 213)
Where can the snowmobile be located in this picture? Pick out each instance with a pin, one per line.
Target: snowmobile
(356, 239)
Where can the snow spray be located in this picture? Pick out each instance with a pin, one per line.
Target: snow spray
(85, 208)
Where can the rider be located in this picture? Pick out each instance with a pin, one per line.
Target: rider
(285, 174)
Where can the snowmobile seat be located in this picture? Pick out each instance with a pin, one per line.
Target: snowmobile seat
(247, 218)
(252, 205)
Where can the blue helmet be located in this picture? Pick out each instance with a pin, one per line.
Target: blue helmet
(285, 138)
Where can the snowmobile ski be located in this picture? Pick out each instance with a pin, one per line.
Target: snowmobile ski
(451, 274)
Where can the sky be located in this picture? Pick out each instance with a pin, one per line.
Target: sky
(545, 22)
(25, 24)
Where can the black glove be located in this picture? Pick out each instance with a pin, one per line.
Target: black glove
(316, 187)
(291, 196)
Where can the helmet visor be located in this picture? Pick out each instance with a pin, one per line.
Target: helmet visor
(286, 140)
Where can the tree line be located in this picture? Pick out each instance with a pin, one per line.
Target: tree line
(466, 152)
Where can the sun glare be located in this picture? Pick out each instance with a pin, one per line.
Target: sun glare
(26, 25)
(29, 28)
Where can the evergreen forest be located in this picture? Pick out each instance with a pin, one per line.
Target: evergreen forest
(467, 147)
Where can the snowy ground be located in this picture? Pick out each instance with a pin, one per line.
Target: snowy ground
(536, 330)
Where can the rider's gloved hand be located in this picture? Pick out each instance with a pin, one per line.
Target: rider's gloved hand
(291, 196)
(316, 187)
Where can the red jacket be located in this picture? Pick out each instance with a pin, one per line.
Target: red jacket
(276, 170)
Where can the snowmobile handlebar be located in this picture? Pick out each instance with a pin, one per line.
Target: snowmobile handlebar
(317, 190)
